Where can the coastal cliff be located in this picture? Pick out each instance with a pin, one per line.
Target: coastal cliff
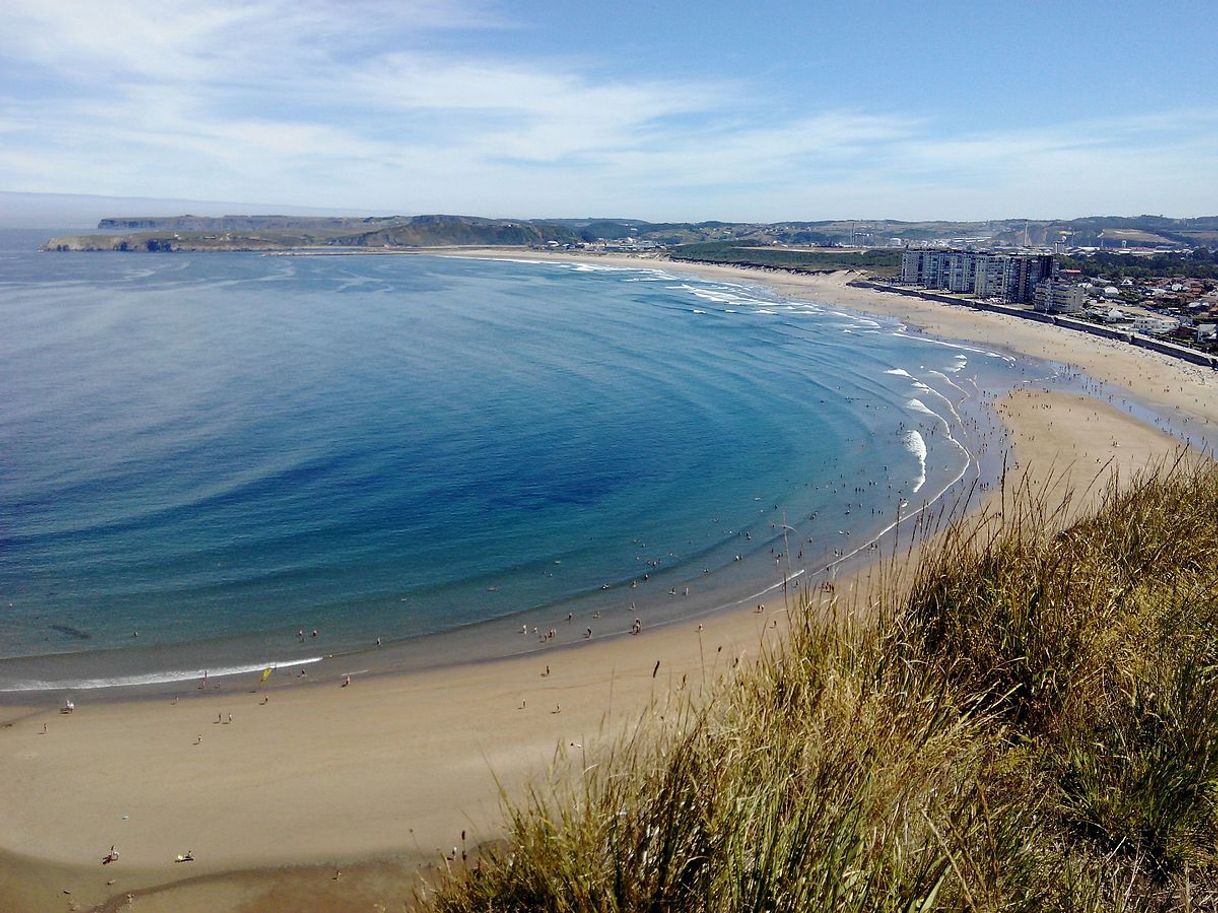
(264, 233)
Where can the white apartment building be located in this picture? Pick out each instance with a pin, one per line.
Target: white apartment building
(1053, 297)
(1009, 277)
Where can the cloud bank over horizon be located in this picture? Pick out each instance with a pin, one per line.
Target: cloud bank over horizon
(454, 106)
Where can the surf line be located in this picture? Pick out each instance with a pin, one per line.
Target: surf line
(153, 678)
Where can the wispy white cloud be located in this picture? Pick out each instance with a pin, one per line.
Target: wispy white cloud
(365, 106)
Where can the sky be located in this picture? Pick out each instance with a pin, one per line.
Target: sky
(666, 111)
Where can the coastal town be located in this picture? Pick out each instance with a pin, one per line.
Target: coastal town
(1073, 286)
(1178, 313)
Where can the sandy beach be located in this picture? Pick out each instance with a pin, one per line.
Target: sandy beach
(315, 797)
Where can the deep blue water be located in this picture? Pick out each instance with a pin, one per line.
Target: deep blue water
(218, 450)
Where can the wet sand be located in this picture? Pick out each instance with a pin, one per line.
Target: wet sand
(327, 794)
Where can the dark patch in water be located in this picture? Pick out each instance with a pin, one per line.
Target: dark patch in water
(70, 631)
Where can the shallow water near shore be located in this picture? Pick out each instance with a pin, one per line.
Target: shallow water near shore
(221, 451)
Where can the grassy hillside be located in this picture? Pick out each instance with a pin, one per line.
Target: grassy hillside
(877, 262)
(285, 233)
(1032, 725)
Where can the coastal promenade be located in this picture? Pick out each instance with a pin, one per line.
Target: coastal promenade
(1163, 347)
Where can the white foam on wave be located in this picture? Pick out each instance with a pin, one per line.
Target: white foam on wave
(653, 274)
(150, 678)
(899, 372)
(953, 345)
(717, 295)
(951, 407)
(918, 406)
(697, 311)
(917, 446)
(597, 268)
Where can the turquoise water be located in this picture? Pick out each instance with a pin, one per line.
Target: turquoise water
(219, 451)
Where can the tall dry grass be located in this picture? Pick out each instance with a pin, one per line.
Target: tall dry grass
(1029, 722)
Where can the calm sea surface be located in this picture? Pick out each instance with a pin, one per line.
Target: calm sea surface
(218, 451)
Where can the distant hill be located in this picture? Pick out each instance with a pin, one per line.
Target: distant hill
(271, 232)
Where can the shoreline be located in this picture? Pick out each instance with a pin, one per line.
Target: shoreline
(148, 671)
(395, 768)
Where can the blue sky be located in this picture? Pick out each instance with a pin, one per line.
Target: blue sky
(663, 111)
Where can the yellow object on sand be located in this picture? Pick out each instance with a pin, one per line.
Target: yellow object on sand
(266, 673)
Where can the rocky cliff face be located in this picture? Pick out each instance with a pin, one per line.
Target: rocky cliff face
(113, 243)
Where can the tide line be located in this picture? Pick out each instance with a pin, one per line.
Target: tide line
(151, 678)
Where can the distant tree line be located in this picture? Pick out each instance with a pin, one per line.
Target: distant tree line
(884, 262)
(1202, 263)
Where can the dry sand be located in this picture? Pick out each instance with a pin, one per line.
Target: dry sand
(327, 798)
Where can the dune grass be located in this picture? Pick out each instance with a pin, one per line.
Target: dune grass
(1028, 722)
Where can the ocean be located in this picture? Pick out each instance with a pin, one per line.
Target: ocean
(204, 458)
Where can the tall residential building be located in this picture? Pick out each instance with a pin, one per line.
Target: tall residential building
(1053, 297)
(1011, 277)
